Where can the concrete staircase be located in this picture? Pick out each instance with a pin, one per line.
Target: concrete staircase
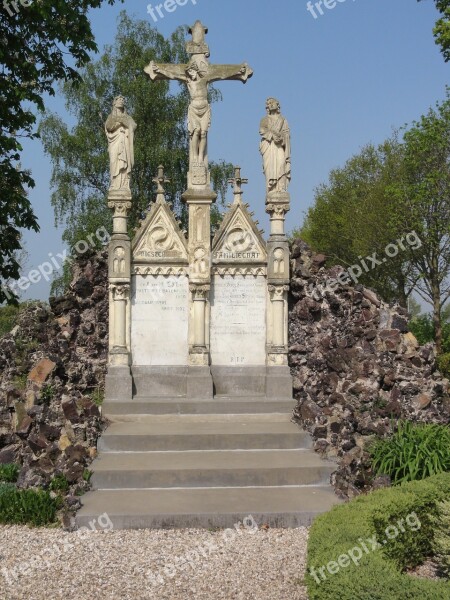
(172, 463)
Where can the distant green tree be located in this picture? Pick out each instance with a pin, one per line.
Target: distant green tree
(80, 177)
(422, 204)
(352, 217)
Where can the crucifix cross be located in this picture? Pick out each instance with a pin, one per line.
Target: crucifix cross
(160, 180)
(237, 182)
(197, 75)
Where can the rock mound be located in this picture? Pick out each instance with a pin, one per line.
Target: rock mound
(52, 367)
(356, 368)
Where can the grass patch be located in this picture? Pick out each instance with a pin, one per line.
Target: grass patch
(98, 396)
(59, 483)
(27, 507)
(9, 473)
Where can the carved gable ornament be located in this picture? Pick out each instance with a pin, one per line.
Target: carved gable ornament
(159, 239)
(238, 242)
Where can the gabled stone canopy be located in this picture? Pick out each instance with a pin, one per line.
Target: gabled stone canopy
(160, 239)
(238, 239)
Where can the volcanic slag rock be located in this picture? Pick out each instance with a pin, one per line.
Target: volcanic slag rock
(355, 368)
(52, 370)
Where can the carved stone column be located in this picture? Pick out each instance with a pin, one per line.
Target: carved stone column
(200, 295)
(279, 379)
(199, 200)
(118, 379)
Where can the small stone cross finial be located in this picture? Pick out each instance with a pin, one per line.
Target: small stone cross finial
(237, 182)
(160, 180)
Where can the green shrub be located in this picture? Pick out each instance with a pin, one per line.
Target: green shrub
(98, 396)
(413, 452)
(443, 362)
(47, 393)
(441, 538)
(423, 329)
(377, 575)
(20, 381)
(87, 475)
(27, 507)
(8, 317)
(9, 473)
(59, 483)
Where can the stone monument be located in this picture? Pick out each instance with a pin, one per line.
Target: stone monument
(197, 318)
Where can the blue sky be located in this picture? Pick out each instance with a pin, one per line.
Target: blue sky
(343, 79)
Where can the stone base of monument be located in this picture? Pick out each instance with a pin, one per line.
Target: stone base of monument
(160, 381)
(206, 463)
(196, 383)
(199, 383)
(118, 384)
(172, 382)
(242, 381)
(278, 382)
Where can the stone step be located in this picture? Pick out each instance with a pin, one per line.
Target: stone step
(222, 468)
(205, 432)
(218, 405)
(292, 506)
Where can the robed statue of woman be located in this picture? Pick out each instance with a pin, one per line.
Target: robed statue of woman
(120, 128)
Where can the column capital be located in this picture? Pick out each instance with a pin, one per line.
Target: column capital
(200, 292)
(120, 206)
(277, 292)
(277, 210)
(120, 291)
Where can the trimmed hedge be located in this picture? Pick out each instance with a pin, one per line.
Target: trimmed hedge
(378, 574)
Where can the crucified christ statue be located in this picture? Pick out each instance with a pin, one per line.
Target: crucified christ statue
(197, 75)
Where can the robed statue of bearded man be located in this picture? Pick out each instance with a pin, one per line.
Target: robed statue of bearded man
(120, 128)
(275, 148)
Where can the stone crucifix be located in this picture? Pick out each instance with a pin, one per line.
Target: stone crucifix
(237, 182)
(197, 75)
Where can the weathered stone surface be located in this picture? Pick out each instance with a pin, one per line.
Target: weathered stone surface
(355, 367)
(41, 371)
(69, 407)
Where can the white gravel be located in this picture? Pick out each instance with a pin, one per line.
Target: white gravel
(244, 564)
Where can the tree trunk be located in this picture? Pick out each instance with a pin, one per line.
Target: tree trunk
(437, 322)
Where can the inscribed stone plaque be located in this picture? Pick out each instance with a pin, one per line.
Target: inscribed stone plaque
(159, 321)
(238, 320)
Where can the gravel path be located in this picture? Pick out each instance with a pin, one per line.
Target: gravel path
(246, 563)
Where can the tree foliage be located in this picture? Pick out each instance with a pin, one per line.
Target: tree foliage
(80, 176)
(352, 218)
(41, 42)
(381, 196)
(442, 28)
(422, 204)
